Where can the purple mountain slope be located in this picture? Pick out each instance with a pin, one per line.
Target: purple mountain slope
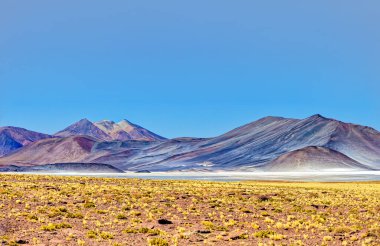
(52, 150)
(13, 138)
(256, 144)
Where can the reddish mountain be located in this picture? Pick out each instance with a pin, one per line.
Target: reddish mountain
(313, 159)
(52, 150)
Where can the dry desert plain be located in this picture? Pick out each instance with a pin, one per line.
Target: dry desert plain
(54, 210)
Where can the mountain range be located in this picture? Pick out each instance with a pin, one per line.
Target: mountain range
(271, 143)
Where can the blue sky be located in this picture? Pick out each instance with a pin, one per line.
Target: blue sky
(188, 68)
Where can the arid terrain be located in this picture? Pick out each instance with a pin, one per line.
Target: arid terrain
(53, 210)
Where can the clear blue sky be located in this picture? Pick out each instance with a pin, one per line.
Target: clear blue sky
(188, 68)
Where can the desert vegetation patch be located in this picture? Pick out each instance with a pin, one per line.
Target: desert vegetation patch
(52, 210)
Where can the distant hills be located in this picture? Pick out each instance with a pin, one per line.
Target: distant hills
(313, 159)
(64, 167)
(271, 143)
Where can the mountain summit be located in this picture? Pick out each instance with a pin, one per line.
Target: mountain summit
(107, 130)
(83, 127)
(125, 130)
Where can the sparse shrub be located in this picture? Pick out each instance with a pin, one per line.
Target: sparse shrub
(264, 234)
(106, 235)
(33, 217)
(208, 224)
(144, 230)
(49, 227)
(53, 227)
(135, 213)
(121, 217)
(63, 225)
(342, 229)
(327, 238)
(157, 241)
(255, 226)
(74, 215)
(92, 234)
(89, 205)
